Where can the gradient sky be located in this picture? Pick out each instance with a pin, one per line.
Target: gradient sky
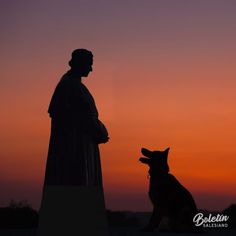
(164, 76)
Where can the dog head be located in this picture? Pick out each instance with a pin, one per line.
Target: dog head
(156, 160)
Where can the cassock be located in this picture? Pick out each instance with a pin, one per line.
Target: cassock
(73, 154)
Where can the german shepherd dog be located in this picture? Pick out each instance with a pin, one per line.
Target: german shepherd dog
(173, 205)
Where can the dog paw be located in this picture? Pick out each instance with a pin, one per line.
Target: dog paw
(147, 229)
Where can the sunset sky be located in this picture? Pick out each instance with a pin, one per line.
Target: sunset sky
(164, 75)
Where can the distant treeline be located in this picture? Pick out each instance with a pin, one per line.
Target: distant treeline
(19, 214)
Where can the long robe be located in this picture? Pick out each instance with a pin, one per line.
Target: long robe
(73, 155)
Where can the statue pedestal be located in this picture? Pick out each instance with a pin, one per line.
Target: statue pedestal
(72, 211)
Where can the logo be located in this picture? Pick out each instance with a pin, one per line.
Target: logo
(211, 221)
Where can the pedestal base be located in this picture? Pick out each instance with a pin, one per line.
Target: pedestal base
(72, 211)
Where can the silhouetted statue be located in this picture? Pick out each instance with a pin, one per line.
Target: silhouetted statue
(173, 205)
(73, 200)
(76, 131)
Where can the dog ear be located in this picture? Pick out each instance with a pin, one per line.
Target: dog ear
(146, 152)
(166, 154)
(144, 160)
(167, 150)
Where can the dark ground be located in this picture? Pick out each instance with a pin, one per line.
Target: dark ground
(19, 219)
(116, 231)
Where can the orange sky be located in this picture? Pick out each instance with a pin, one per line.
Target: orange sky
(169, 84)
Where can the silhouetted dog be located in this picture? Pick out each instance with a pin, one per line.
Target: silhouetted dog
(173, 205)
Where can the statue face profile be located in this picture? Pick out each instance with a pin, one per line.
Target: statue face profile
(86, 68)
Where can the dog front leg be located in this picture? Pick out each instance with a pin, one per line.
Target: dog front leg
(154, 220)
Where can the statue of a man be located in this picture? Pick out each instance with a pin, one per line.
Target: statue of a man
(76, 131)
